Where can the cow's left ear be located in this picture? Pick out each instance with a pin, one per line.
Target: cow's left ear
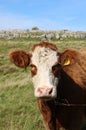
(20, 58)
(68, 57)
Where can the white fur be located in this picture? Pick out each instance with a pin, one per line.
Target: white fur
(44, 58)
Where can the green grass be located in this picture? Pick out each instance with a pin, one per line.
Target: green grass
(18, 106)
(18, 109)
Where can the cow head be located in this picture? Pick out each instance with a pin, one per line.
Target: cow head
(44, 63)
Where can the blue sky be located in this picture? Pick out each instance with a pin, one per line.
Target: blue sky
(45, 14)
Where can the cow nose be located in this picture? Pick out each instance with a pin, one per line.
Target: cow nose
(44, 92)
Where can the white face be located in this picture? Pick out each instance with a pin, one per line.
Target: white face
(45, 83)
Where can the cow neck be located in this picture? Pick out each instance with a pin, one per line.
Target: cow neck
(67, 83)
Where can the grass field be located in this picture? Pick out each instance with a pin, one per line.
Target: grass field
(18, 106)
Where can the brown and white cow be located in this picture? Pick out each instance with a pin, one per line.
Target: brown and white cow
(59, 84)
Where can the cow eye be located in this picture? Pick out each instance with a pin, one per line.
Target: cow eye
(33, 69)
(55, 69)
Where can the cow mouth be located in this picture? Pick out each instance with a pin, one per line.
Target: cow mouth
(46, 98)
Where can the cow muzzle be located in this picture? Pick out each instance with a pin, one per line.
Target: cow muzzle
(44, 92)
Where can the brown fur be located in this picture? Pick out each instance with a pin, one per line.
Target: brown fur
(70, 90)
(44, 44)
(20, 58)
(77, 68)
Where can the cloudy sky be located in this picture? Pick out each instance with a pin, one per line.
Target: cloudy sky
(45, 14)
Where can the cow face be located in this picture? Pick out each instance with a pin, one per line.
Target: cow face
(43, 67)
(43, 62)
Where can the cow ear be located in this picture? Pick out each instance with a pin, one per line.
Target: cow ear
(68, 57)
(20, 58)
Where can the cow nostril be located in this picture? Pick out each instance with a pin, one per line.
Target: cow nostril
(40, 90)
(50, 91)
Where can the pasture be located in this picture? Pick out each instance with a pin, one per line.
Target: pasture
(18, 106)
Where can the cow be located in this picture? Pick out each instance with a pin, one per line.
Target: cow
(59, 81)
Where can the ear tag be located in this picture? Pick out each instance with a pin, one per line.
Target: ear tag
(67, 62)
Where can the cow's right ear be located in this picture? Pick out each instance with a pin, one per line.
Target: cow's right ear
(20, 58)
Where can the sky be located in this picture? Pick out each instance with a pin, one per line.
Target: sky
(44, 14)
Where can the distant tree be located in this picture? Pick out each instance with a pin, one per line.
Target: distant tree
(35, 28)
(27, 30)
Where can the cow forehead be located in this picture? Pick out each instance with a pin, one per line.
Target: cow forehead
(44, 56)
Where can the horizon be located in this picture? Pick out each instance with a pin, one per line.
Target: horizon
(40, 30)
(46, 15)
